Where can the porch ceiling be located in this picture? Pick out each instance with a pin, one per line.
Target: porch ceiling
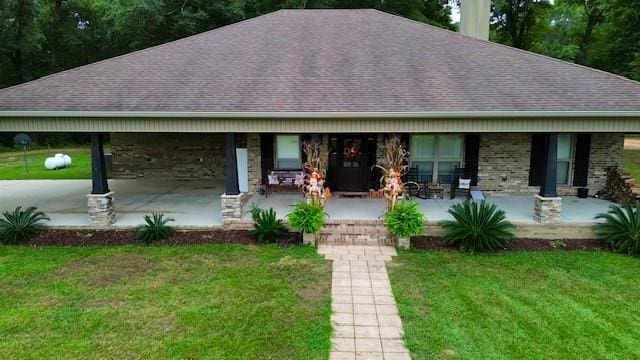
(334, 122)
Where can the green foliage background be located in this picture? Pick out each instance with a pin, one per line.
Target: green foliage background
(40, 37)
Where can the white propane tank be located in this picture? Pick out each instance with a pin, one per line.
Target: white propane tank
(67, 160)
(58, 161)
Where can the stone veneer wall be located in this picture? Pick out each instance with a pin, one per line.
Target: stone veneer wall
(504, 163)
(168, 156)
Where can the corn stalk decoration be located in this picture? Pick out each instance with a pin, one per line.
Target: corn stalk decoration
(395, 166)
(315, 173)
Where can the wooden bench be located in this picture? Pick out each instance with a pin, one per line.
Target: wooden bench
(284, 180)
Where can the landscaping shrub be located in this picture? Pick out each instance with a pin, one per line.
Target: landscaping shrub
(477, 227)
(307, 217)
(155, 229)
(405, 220)
(20, 226)
(621, 228)
(267, 227)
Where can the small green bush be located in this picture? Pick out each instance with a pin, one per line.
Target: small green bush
(155, 229)
(621, 228)
(477, 227)
(405, 220)
(307, 217)
(20, 226)
(267, 226)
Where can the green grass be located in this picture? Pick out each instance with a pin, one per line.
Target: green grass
(631, 162)
(12, 165)
(185, 302)
(560, 305)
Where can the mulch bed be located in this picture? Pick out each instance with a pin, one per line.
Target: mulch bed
(189, 237)
(127, 237)
(435, 243)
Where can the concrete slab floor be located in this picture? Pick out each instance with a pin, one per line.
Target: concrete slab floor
(196, 203)
(190, 203)
(519, 209)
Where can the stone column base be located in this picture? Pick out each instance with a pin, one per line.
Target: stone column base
(547, 210)
(101, 209)
(232, 206)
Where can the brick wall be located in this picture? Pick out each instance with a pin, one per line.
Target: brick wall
(255, 164)
(168, 156)
(503, 166)
(504, 163)
(606, 151)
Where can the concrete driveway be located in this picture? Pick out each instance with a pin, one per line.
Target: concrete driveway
(192, 203)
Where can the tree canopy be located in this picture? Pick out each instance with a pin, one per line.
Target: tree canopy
(39, 37)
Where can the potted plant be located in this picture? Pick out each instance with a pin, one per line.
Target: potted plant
(308, 218)
(404, 220)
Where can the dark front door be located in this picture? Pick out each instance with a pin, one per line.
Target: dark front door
(350, 160)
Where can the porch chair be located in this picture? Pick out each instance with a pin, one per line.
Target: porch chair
(411, 183)
(461, 183)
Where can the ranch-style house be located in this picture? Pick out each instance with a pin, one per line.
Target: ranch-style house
(235, 104)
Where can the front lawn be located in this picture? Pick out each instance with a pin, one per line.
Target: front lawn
(560, 305)
(631, 162)
(160, 302)
(12, 164)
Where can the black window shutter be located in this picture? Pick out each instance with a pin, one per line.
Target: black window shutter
(471, 156)
(266, 151)
(538, 155)
(581, 166)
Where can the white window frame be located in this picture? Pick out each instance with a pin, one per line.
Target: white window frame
(275, 152)
(436, 155)
(572, 144)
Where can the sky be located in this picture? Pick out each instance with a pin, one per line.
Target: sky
(455, 14)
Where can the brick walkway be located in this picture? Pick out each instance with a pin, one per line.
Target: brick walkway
(364, 313)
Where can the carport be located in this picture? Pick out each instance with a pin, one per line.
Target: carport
(192, 203)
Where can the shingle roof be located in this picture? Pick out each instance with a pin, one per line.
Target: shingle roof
(327, 60)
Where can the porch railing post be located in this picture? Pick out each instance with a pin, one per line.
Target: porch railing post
(548, 188)
(98, 165)
(547, 205)
(100, 201)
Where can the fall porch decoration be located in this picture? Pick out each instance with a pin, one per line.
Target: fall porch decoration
(394, 167)
(315, 173)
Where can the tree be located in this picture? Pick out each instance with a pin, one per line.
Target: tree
(594, 14)
(518, 22)
(561, 40)
(617, 45)
(19, 36)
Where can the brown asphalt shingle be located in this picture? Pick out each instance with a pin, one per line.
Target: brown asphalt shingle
(327, 60)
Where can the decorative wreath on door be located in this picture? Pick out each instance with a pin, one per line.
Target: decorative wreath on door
(352, 150)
